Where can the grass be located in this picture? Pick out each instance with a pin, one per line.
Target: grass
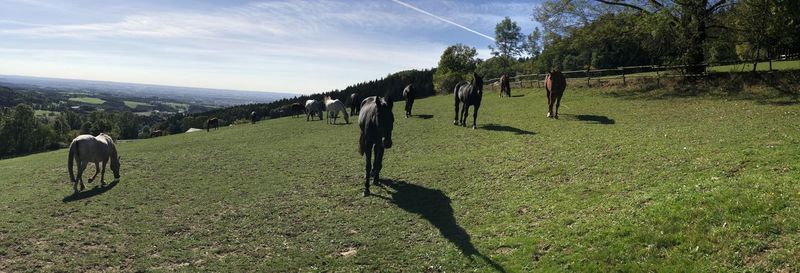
(619, 183)
(762, 66)
(134, 104)
(178, 106)
(88, 100)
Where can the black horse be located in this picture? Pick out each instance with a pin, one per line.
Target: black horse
(253, 117)
(212, 122)
(468, 94)
(297, 109)
(410, 95)
(354, 104)
(376, 122)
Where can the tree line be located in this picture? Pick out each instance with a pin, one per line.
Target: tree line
(391, 85)
(601, 34)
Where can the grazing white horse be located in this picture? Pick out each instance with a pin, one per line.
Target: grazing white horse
(334, 107)
(87, 148)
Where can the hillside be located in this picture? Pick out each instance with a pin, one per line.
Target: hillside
(622, 182)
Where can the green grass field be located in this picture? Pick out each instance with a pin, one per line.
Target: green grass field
(88, 100)
(762, 66)
(134, 104)
(619, 183)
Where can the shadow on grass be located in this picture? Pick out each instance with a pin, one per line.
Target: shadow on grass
(97, 190)
(423, 116)
(434, 206)
(517, 96)
(504, 128)
(590, 118)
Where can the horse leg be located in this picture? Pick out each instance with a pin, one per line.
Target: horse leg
(455, 117)
(558, 103)
(475, 117)
(81, 168)
(96, 171)
(378, 164)
(103, 174)
(368, 169)
(464, 114)
(549, 104)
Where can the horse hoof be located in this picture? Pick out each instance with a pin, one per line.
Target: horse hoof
(455, 123)
(474, 127)
(366, 193)
(90, 181)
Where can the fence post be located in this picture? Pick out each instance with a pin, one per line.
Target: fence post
(588, 78)
(624, 83)
(658, 76)
(538, 82)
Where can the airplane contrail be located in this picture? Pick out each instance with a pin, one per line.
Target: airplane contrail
(442, 19)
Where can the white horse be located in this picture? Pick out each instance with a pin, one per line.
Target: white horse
(87, 148)
(334, 107)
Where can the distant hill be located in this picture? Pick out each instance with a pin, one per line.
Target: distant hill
(204, 96)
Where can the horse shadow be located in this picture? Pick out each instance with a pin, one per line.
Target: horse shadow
(596, 119)
(423, 116)
(517, 96)
(97, 190)
(434, 206)
(505, 128)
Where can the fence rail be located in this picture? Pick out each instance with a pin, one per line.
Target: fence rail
(620, 73)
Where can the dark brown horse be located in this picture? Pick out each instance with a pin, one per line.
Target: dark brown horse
(468, 94)
(376, 121)
(297, 109)
(554, 84)
(212, 122)
(409, 94)
(505, 86)
(354, 102)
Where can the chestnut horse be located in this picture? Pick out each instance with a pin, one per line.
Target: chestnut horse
(554, 84)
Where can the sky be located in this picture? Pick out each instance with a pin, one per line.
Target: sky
(278, 46)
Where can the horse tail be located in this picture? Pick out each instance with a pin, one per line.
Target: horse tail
(362, 142)
(73, 152)
(346, 116)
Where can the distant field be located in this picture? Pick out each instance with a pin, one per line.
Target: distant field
(623, 182)
(178, 106)
(88, 100)
(42, 112)
(134, 104)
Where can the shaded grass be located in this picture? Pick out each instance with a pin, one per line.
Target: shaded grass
(680, 184)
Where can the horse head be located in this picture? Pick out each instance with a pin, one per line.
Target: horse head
(385, 119)
(477, 82)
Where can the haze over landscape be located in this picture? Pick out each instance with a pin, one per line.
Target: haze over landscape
(277, 46)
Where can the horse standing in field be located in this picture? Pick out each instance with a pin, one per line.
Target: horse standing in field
(409, 94)
(354, 103)
(334, 107)
(212, 122)
(376, 121)
(253, 117)
(297, 109)
(554, 84)
(86, 149)
(313, 107)
(505, 86)
(468, 94)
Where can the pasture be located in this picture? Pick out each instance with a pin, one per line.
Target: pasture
(88, 100)
(134, 104)
(623, 181)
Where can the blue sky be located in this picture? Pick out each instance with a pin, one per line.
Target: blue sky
(280, 46)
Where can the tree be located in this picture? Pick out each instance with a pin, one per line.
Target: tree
(508, 39)
(533, 45)
(692, 19)
(456, 62)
